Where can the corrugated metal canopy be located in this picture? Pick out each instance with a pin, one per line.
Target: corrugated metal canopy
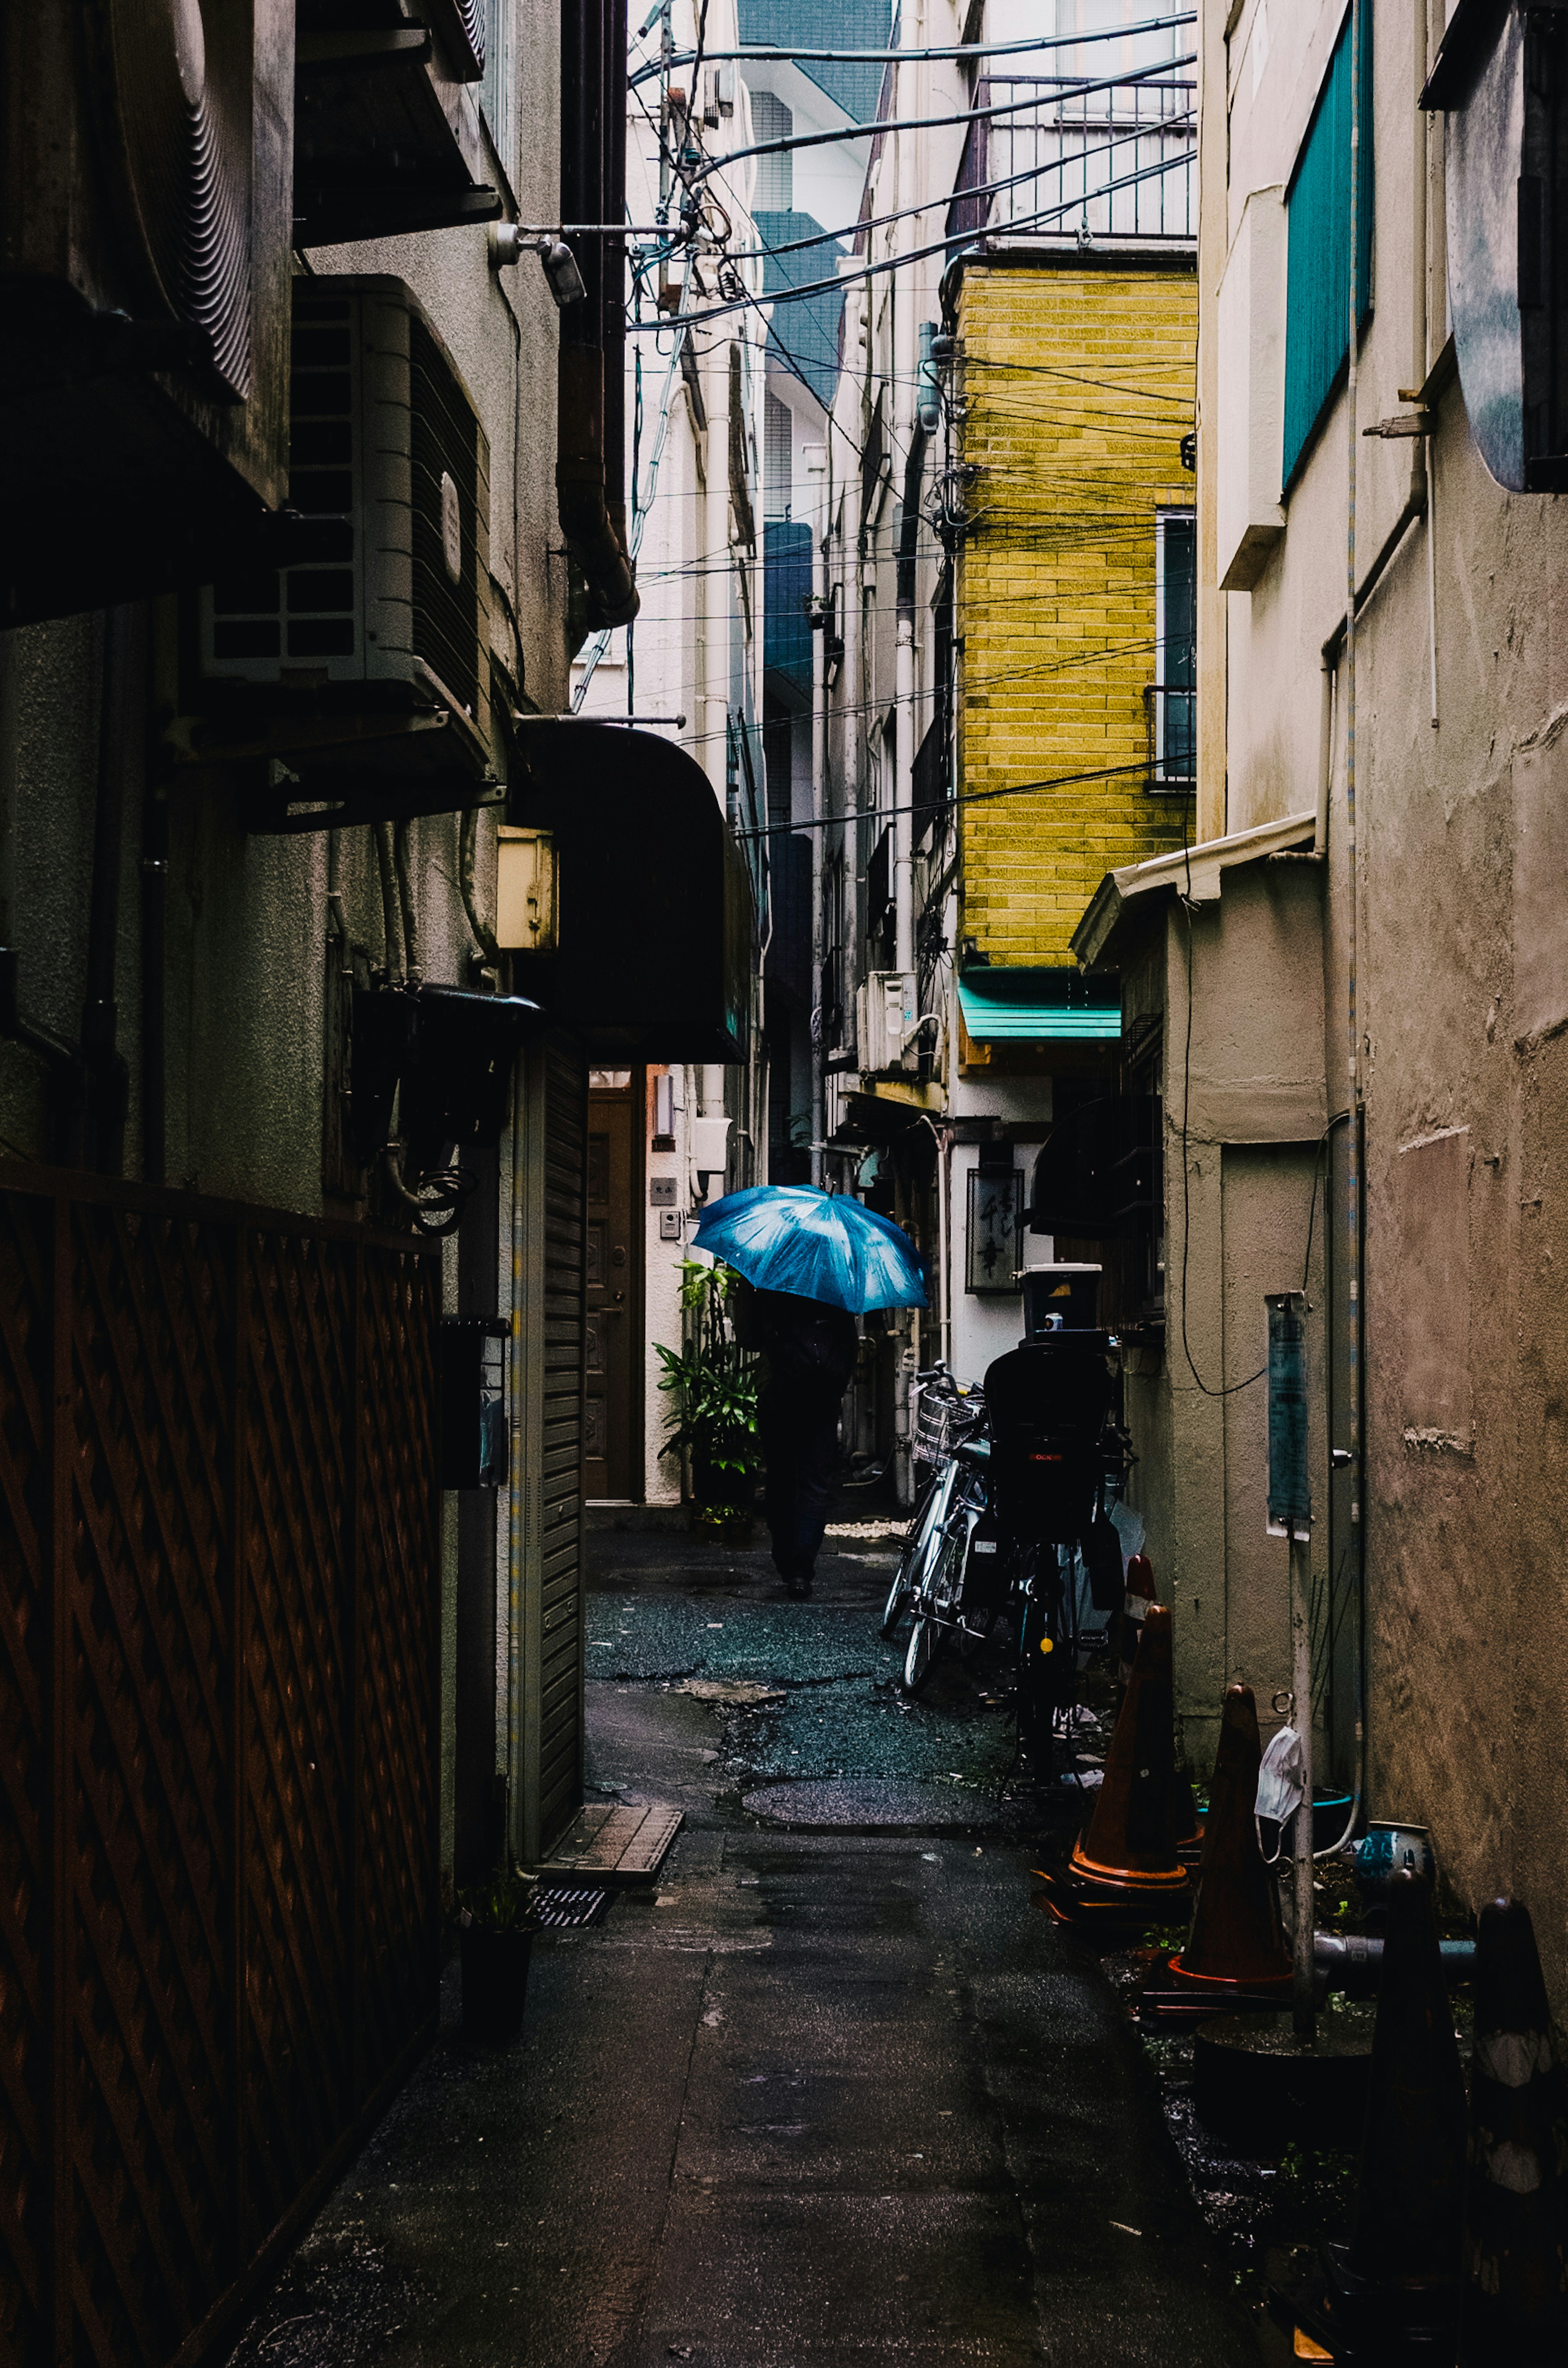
(1001, 1004)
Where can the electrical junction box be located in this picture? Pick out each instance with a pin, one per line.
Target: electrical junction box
(709, 1145)
(661, 1192)
(670, 1225)
(885, 1015)
(526, 904)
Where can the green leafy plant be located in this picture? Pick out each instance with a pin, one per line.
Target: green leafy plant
(713, 1382)
(504, 1904)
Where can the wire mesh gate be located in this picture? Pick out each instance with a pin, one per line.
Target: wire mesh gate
(219, 1656)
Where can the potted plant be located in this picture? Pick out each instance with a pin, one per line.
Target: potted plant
(495, 1921)
(713, 1382)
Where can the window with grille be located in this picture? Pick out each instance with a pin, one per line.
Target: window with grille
(1175, 665)
(777, 456)
(771, 119)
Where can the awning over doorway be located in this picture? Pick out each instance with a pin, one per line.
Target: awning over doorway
(999, 1005)
(657, 953)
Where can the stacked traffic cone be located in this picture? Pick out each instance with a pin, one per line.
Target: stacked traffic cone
(1392, 2295)
(1235, 1954)
(1138, 1594)
(1191, 1825)
(1516, 2248)
(1127, 1866)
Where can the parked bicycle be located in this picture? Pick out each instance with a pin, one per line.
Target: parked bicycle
(1018, 1499)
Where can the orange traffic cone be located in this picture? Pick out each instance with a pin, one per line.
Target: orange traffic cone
(1138, 1596)
(1235, 1953)
(1516, 2251)
(1126, 1865)
(1392, 2293)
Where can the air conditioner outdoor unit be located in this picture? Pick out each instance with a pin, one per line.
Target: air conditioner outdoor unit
(885, 1013)
(364, 677)
(145, 276)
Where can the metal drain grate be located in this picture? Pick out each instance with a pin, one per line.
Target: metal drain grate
(555, 1905)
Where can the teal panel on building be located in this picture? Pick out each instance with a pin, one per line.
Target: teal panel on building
(786, 585)
(1317, 209)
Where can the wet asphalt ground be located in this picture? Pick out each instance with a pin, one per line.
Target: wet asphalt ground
(832, 2090)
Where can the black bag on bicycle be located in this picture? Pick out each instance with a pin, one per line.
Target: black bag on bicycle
(1102, 1560)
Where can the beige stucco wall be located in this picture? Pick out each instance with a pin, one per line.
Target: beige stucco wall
(1244, 1112)
(1462, 993)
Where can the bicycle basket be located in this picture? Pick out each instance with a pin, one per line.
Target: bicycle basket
(942, 1418)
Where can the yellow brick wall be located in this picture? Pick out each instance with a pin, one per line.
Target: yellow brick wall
(1079, 386)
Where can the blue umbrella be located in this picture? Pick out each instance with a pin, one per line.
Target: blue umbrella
(816, 1245)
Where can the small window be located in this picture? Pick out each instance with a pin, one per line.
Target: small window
(778, 459)
(771, 119)
(1317, 274)
(1175, 721)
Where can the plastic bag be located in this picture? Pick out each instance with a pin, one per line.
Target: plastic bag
(1128, 1528)
(1279, 1785)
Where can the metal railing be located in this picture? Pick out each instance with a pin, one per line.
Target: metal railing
(1116, 162)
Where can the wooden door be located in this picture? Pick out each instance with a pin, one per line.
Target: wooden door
(611, 1452)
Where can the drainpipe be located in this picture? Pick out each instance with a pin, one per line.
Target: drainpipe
(154, 972)
(61, 1059)
(816, 472)
(903, 692)
(590, 82)
(716, 575)
(105, 1079)
(854, 612)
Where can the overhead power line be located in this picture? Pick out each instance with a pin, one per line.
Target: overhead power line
(769, 53)
(1061, 86)
(957, 242)
(1036, 171)
(966, 798)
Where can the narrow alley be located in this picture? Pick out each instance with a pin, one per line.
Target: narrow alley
(832, 2089)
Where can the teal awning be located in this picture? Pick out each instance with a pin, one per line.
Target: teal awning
(999, 1004)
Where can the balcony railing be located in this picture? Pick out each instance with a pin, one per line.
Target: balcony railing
(1172, 711)
(1116, 161)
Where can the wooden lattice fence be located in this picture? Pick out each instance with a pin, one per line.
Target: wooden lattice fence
(220, 1657)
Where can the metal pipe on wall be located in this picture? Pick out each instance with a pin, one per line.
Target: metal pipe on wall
(716, 575)
(815, 459)
(585, 405)
(1354, 1162)
(105, 1079)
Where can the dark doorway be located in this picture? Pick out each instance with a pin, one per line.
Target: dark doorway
(612, 1454)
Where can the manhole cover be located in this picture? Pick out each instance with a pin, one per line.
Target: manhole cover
(872, 1804)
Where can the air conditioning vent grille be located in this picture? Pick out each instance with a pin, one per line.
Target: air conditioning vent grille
(443, 444)
(182, 101)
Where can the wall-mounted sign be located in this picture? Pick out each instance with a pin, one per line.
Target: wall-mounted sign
(994, 1229)
(1289, 1490)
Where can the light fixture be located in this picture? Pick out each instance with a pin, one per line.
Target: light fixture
(560, 267)
(508, 243)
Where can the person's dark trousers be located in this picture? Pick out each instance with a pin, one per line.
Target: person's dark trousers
(800, 1443)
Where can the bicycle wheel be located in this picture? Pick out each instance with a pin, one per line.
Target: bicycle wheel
(1040, 1679)
(920, 1657)
(918, 1544)
(975, 1627)
(973, 1620)
(935, 1600)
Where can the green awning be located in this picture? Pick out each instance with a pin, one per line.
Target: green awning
(1000, 1004)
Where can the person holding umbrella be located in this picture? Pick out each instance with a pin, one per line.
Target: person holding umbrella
(809, 1263)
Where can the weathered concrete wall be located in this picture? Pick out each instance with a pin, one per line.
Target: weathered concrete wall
(1243, 1118)
(1462, 1000)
